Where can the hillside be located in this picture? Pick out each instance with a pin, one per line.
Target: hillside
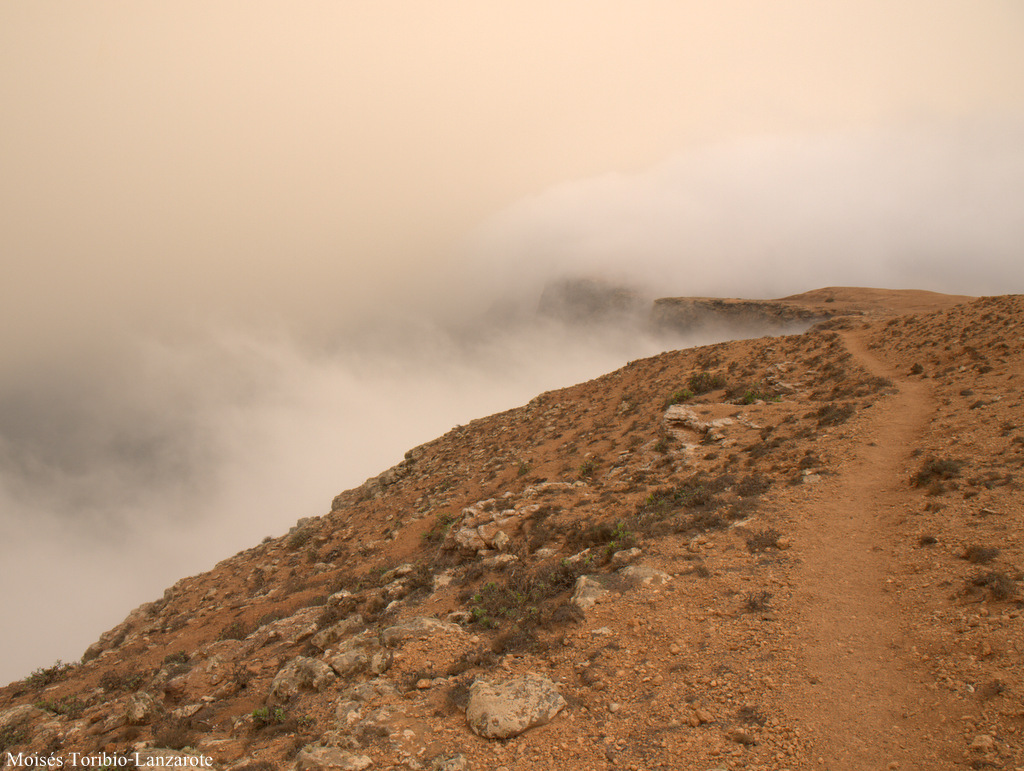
(797, 552)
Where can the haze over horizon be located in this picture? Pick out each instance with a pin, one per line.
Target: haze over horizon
(254, 252)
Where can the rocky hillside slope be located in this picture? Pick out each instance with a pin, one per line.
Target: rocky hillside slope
(798, 552)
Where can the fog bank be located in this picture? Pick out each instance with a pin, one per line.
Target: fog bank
(148, 442)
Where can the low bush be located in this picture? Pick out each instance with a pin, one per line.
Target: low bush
(703, 382)
(68, 706)
(614, 536)
(999, 585)
(300, 538)
(49, 675)
(523, 599)
(936, 470)
(11, 736)
(762, 540)
(457, 696)
(980, 555)
(833, 414)
(174, 734)
(756, 602)
(677, 397)
(236, 630)
(123, 681)
(752, 486)
(442, 524)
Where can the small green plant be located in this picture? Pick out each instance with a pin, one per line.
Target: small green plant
(480, 615)
(264, 716)
(523, 598)
(586, 469)
(622, 538)
(678, 397)
(442, 524)
(753, 395)
(523, 469)
(662, 503)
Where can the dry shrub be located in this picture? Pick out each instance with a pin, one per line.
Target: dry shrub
(980, 555)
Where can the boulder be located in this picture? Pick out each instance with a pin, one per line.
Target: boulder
(501, 711)
(313, 758)
(140, 709)
(417, 629)
(589, 590)
(349, 663)
(454, 763)
(17, 723)
(624, 557)
(325, 638)
(467, 540)
(641, 574)
(292, 629)
(300, 673)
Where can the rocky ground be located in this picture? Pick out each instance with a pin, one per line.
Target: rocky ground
(796, 552)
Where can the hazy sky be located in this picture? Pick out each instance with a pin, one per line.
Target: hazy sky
(199, 201)
(261, 158)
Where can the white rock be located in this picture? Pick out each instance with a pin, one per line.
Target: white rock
(504, 710)
(418, 628)
(312, 758)
(641, 574)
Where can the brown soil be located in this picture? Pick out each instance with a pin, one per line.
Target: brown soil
(863, 703)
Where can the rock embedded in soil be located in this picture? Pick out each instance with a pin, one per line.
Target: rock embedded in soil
(301, 673)
(312, 758)
(504, 710)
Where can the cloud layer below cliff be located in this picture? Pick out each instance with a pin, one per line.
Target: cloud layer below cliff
(143, 441)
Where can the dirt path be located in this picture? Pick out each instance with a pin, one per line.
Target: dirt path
(854, 692)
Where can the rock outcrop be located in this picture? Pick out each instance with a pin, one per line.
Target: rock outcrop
(735, 317)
